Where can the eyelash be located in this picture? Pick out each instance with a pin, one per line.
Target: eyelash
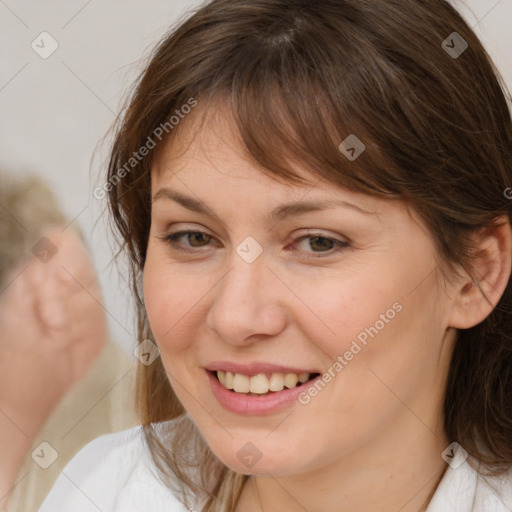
(341, 245)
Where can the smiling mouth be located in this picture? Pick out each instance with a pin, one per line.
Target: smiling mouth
(261, 384)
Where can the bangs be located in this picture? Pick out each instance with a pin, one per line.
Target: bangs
(284, 129)
(286, 119)
(290, 112)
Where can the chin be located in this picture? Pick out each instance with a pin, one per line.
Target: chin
(258, 458)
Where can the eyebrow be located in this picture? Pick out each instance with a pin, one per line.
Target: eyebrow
(278, 214)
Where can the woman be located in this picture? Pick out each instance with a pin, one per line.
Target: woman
(313, 198)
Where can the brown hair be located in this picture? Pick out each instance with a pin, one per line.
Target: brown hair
(303, 75)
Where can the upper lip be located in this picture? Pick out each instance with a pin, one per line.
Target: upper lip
(252, 369)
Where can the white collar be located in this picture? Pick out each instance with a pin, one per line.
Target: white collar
(464, 489)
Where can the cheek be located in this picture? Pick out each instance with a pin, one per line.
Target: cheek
(390, 334)
(376, 319)
(174, 302)
(165, 299)
(345, 307)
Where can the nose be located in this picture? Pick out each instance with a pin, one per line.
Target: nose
(246, 304)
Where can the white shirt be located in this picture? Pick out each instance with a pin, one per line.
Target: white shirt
(115, 473)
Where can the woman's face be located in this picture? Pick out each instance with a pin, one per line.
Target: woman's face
(279, 282)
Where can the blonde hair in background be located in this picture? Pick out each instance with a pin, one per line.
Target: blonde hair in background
(28, 211)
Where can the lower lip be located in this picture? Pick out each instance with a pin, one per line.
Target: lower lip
(241, 403)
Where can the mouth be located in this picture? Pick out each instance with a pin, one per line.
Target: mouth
(261, 384)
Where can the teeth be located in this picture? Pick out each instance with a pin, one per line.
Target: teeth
(260, 384)
(276, 382)
(241, 383)
(290, 380)
(303, 377)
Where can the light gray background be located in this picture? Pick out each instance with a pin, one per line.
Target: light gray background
(54, 111)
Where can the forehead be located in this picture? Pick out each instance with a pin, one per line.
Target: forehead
(207, 143)
(206, 161)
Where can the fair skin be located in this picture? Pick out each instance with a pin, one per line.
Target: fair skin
(52, 327)
(372, 438)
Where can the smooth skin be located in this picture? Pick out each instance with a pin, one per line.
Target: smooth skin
(372, 438)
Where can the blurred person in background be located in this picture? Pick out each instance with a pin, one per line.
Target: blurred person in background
(63, 381)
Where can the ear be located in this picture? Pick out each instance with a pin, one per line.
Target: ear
(476, 297)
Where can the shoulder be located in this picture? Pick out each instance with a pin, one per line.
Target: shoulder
(113, 472)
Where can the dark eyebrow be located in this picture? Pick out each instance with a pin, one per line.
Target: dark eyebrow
(276, 215)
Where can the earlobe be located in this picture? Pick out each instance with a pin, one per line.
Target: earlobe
(476, 297)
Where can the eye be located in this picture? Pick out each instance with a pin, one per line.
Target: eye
(319, 244)
(194, 238)
(322, 245)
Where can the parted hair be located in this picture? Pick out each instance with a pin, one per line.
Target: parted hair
(298, 77)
